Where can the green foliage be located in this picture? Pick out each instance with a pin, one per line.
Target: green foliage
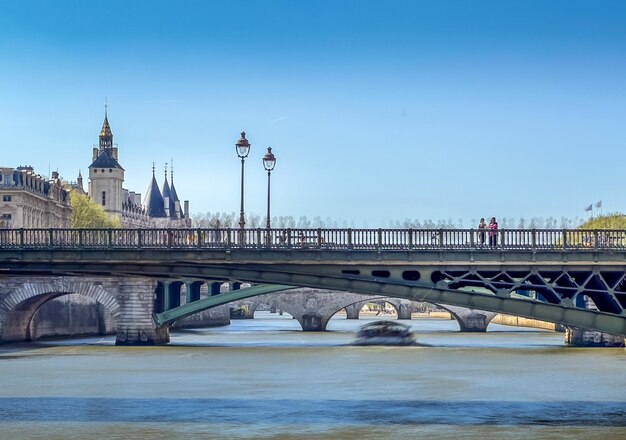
(610, 221)
(88, 214)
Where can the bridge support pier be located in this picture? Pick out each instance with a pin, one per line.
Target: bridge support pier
(313, 322)
(405, 310)
(579, 337)
(135, 324)
(471, 320)
(352, 311)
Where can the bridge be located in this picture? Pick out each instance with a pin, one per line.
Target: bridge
(576, 278)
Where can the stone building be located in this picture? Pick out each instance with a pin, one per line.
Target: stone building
(29, 200)
(159, 209)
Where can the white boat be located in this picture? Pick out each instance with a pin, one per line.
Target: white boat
(385, 333)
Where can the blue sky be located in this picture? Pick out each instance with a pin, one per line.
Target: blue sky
(376, 110)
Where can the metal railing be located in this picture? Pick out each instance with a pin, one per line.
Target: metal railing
(327, 239)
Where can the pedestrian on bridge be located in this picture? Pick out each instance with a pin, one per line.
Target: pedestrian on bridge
(493, 232)
(482, 227)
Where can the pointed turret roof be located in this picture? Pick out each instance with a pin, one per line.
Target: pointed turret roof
(153, 203)
(173, 192)
(168, 193)
(172, 189)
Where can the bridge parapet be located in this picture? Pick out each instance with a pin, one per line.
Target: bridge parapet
(327, 239)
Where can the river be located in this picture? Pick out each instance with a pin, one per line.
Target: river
(265, 379)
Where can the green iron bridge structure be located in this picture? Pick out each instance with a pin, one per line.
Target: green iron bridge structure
(576, 278)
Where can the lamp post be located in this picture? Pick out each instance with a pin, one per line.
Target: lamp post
(269, 161)
(243, 148)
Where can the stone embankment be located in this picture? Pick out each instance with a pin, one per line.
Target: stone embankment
(517, 321)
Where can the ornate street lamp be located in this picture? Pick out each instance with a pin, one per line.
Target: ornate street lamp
(269, 161)
(243, 148)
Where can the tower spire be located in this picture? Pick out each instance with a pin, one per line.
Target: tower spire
(106, 135)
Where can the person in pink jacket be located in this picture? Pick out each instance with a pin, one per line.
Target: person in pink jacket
(493, 232)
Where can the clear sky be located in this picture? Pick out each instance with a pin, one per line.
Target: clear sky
(376, 110)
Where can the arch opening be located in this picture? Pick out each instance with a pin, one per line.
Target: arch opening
(34, 304)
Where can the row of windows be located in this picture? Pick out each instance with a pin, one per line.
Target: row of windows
(102, 170)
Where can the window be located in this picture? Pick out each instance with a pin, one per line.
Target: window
(104, 198)
(6, 198)
(110, 170)
(95, 171)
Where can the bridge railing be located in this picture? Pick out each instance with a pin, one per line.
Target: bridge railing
(328, 239)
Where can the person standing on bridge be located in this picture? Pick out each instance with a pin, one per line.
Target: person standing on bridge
(493, 232)
(482, 227)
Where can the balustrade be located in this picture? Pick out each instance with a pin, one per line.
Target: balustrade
(327, 239)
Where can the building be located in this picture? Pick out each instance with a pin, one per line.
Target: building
(106, 175)
(159, 209)
(29, 200)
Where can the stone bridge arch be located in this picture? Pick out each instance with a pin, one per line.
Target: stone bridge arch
(313, 308)
(19, 301)
(404, 307)
(469, 320)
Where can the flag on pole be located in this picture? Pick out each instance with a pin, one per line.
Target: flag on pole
(588, 208)
(598, 204)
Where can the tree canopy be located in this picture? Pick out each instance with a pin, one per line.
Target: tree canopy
(88, 214)
(609, 221)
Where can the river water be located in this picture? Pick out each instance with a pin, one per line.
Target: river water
(264, 378)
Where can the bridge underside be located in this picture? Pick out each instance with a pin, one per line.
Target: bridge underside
(587, 299)
(583, 289)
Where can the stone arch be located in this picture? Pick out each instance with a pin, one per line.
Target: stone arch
(312, 308)
(20, 305)
(403, 307)
(353, 310)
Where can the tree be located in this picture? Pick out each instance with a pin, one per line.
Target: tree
(88, 214)
(608, 221)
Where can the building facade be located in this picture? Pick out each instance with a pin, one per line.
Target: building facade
(29, 200)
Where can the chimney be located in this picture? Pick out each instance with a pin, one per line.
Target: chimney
(186, 208)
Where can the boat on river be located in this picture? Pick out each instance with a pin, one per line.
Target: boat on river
(385, 333)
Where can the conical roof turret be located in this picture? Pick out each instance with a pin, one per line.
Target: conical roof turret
(170, 199)
(172, 188)
(153, 203)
